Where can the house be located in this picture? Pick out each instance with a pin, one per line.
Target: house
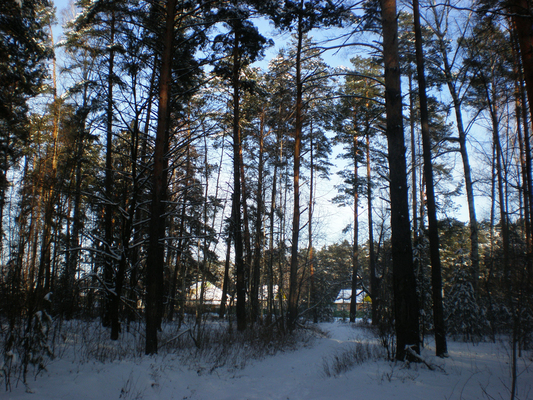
(342, 302)
(212, 296)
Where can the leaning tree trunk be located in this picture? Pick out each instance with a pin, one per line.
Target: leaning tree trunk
(469, 187)
(404, 283)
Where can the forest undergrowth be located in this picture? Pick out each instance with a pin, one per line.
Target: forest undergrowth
(203, 347)
(218, 353)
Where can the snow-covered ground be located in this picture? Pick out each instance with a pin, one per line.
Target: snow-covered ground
(479, 371)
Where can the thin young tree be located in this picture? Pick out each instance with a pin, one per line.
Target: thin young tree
(300, 17)
(433, 232)
(243, 45)
(454, 76)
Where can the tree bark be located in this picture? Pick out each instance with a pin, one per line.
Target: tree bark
(404, 283)
(256, 270)
(237, 225)
(156, 248)
(525, 155)
(523, 24)
(293, 279)
(225, 282)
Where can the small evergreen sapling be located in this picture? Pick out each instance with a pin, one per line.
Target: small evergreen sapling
(464, 316)
(35, 341)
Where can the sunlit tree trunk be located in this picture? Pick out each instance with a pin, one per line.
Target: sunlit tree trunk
(293, 279)
(49, 194)
(156, 249)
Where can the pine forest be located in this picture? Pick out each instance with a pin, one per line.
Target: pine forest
(201, 174)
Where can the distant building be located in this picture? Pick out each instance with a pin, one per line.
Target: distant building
(342, 302)
(212, 297)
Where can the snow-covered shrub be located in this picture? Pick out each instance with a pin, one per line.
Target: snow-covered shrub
(25, 344)
(465, 318)
(353, 354)
(35, 342)
(9, 362)
(526, 326)
(218, 346)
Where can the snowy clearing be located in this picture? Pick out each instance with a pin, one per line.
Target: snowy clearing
(479, 371)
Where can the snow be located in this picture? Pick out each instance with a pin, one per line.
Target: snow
(471, 372)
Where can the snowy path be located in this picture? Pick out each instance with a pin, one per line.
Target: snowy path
(471, 373)
(289, 375)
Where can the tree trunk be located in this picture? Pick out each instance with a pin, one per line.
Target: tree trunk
(355, 246)
(502, 197)
(525, 156)
(469, 187)
(256, 270)
(225, 283)
(404, 283)
(374, 282)
(271, 303)
(436, 275)
(156, 248)
(293, 279)
(245, 223)
(49, 193)
(237, 228)
(521, 16)
(414, 183)
(312, 300)
(109, 262)
(181, 233)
